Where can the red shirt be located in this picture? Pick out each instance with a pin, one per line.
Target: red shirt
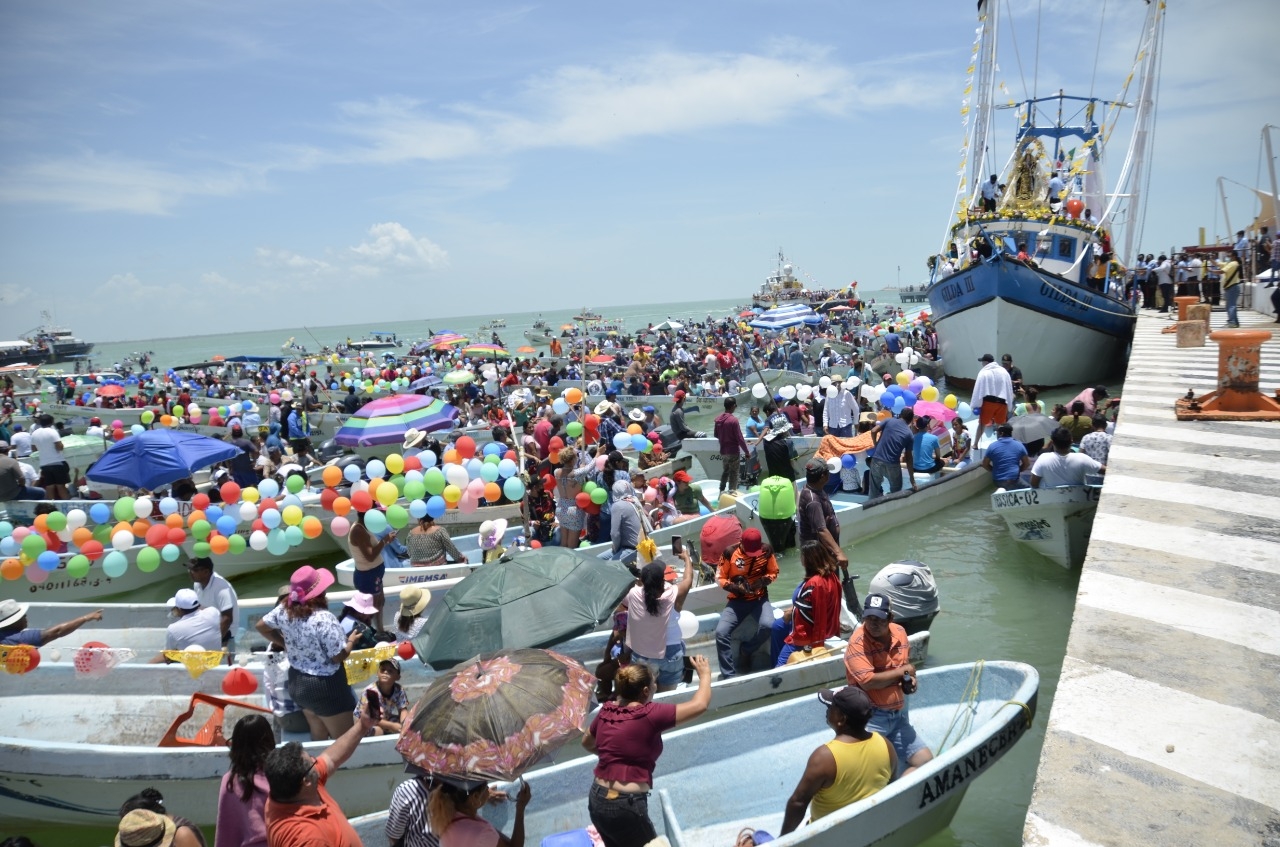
(629, 741)
(817, 611)
(303, 825)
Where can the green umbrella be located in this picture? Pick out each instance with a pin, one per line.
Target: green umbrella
(459, 377)
(536, 598)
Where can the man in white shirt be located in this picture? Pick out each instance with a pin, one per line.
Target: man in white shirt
(993, 394)
(1061, 466)
(20, 441)
(95, 428)
(195, 626)
(839, 411)
(990, 191)
(214, 592)
(55, 474)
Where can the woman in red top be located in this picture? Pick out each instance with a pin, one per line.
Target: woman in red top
(627, 736)
(816, 603)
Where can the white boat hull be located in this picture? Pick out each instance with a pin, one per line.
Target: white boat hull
(1055, 522)
(707, 452)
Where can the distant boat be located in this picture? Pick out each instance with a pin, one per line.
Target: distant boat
(376, 340)
(46, 344)
(1060, 309)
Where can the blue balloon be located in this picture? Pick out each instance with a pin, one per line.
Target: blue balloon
(489, 472)
(909, 398)
(428, 458)
(622, 440)
(639, 441)
(375, 469)
(493, 448)
(513, 488)
(100, 512)
(418, 508)
(226, 525)
(137, 429)
(212, 513)
(898, 405)
(8, 547)
(277, 544)
(436, 506)
(507, 468)
(848, 461)
(352, 473)
(268, 487)
(473, 467)
(271, 517)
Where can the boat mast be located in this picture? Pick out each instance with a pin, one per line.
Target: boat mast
(1131, 185)
(1271, 168)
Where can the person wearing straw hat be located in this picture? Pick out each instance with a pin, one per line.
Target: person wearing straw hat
(14, 629)
(414, 600)
(145, 828)
(316, 646)
(413, 439)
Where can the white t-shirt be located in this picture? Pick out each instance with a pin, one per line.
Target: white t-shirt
(21, 444)
(200, 627)
(219, 594)
(1055, 469)
(45, 439)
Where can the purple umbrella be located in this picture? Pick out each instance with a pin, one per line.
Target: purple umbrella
(386, 420)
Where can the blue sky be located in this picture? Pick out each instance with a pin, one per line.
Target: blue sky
(221, 166)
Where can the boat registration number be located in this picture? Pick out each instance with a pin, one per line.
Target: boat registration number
(1021, 497)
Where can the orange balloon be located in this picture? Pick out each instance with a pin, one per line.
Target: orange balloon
(81, 535)
(173, 521)
(11, 569)
(573, 396)
(341, 506)
(140, 527)
(41, 523)
(374, 483)
(311, 527)
(196, 515)
(219, 544)
(635, 429)
(492, 492)
(450, 457)
(166, 420)
(332, 476)
(554, 457)
(122, 526)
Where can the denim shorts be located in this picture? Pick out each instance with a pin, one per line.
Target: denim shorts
(895, 725)
(669, 670)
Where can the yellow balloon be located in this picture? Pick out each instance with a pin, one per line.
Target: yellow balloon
(930, 393)
(249, 495)
(949, 401)
(387, 493)
(903, 379)
(451, 494)
(395, 463)
(292, 515)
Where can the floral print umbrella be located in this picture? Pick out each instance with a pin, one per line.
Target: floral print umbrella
(495, 716)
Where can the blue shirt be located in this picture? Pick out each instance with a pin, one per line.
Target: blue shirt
(895, 437)
(922, 450)
(1006, 456)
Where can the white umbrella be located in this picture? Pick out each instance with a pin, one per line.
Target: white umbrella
(670, 325)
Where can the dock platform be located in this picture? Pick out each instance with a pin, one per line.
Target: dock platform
(1165, 729)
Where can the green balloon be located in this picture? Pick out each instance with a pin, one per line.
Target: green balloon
(123, 509)
(295, 483)
(599, 496)
(56, 521)
(33, 545)
(201, 548)
(200, 531)
(236, 544)
(397, 516)
(433, 480)
(102, 534)
(148, 559)
(399, 482)
(585, 543)
(588, 486)
(574, 429)
(78, 566)
(414, 490)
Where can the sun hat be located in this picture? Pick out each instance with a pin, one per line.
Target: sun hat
(851, 700)
(145, 828)
(413, 437)
(877, 606)
(186, 599)
(362, 603)
(603, 407)
(751, 541)
(636, 415)
(682, 476)
(491, 533)
(307, 583)
(11, 611)
(413, 599)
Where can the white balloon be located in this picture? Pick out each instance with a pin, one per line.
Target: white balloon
(122, 540)
(76, 518)
(688, 624)
(759, 391)
(787, 392)
(803, 392)
(833, 465)
(258, 540)
(142, 507)
(824, 382)
(832, 391)
(852, 383)
(248, 512)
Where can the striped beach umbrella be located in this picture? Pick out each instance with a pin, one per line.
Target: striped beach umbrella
(486, 351)
(387, 419)
(445, 340)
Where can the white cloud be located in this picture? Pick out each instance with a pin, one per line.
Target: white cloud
(287, 260)
(392, 246)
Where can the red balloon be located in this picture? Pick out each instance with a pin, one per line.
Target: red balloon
(176, 535)
(535, 544)
(583, 500)
(117, 434)
(259, 526)
(511, 454)
(412, 463)
(327, 497)
(157, 535)
(200, 501)
(230, 492)
(361, 501)
(592, 508)
(238, 682)
(466, 446)
(591, 423)
(556, 444)
(94, 644)
(548, 483)
(405, 650)
(266, 503)
(92, 550)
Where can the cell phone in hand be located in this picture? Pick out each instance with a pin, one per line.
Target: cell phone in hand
(375, 706)
(677, 545)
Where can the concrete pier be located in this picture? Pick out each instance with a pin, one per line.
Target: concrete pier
(1165, 729)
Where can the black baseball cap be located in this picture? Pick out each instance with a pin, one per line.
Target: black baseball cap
(851, 700)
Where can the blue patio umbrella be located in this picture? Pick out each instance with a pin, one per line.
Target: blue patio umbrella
(158, 457)
(425, 382)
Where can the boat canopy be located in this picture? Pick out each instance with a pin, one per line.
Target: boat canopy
(785, 317)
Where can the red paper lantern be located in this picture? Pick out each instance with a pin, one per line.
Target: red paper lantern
(239, 682)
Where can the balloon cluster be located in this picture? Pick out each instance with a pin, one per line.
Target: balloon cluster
(465, 477)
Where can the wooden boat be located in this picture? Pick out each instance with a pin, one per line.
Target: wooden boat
(1056, 522)
(971, 715)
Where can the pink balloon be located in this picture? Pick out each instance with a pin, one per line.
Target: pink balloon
(117, 424)
(36, 574)
(600, 460)
(475, 488)
(21, 532)
(274, 397)
(340, 526)
(468, 503)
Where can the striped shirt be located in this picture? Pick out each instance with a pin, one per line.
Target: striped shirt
(865, 657)
(407, 816)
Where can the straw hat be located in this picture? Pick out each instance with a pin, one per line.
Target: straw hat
(636, 415)
(11, 611)
(413, 437)
(413, 599)
(603, 407)
(144, 828)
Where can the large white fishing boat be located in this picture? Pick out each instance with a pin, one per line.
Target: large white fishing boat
(1031, 264)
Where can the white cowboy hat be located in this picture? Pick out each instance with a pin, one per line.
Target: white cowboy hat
(413, 437)
(636, 415)
(11, 611)
(603, 407)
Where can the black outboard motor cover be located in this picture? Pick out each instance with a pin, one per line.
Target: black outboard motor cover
(911, 589)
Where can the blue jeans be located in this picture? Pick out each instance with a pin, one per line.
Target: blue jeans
(895, 725)
(668, 670)
(740, 618)
(841, 431)
(1233, 296)
(881, 471)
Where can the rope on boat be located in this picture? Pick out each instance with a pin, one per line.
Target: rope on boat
(962, 720)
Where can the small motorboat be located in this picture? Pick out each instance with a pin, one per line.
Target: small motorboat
(1056, 522)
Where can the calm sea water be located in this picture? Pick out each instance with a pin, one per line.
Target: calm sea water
(1000, 600)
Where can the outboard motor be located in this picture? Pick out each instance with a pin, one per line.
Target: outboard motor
(328, 450)
(670, 444)
(911, 589)
(777, 508)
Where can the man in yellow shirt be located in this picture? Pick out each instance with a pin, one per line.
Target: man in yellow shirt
(854, 765)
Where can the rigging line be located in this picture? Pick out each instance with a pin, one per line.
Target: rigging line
(1035, 75)
(1158, 41)
(1097, 50)
(1017, 56)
